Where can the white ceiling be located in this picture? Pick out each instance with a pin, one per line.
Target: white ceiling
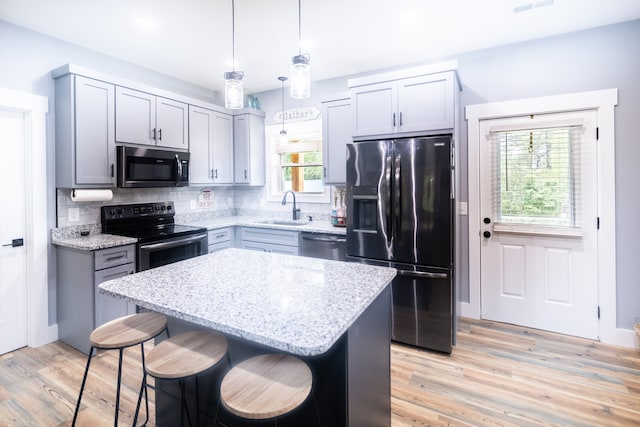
(191, 39)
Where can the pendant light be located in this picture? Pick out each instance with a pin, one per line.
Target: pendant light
(300, 87)
(233, 87)
(282, 80)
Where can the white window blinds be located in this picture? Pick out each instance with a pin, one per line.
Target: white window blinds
(536, 175)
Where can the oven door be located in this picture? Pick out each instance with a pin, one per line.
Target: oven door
(155, 254)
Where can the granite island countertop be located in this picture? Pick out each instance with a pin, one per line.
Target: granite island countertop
(296, 304)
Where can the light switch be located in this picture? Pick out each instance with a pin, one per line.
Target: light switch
(463, 208)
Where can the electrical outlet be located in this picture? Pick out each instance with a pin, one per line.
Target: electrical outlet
(73, 214)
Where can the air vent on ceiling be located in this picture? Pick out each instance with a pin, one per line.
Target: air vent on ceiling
(532, 5)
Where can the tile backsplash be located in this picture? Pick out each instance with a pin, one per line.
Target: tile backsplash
(190, 202)
(187, 200)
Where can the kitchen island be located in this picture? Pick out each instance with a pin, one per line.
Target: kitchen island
(334, 315)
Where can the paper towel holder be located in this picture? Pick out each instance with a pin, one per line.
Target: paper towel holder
(91, 195)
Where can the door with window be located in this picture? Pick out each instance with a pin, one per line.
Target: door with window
(538, 185)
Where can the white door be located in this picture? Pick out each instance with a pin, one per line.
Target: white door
(538, 196)
(13, 283)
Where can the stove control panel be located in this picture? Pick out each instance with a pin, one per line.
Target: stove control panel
(138, 210)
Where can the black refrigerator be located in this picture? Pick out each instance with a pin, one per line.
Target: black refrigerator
(400, 204)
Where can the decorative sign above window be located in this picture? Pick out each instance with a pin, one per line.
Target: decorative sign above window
(299, 114)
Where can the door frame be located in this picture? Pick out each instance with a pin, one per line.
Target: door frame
(35, 109)
(603, 101)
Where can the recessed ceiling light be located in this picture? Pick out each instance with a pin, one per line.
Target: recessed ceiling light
(144, 23)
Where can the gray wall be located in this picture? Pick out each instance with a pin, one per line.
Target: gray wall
(602, 58)
(596, 59)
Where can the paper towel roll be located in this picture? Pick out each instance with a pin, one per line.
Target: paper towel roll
(91, 195)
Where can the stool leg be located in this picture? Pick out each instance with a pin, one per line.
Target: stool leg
(115, 422)
(84, 379)
(197, 403)
(146, 390)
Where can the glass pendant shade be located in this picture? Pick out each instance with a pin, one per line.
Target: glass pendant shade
(300, 87)
(233, 90)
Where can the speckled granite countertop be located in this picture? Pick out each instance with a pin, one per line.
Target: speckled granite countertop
(71, 238)
(295, 304)
(92, 242)
(319, 226)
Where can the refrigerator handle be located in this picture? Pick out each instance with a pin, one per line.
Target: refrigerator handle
(397, 196)
(386, 203)
(408, 273)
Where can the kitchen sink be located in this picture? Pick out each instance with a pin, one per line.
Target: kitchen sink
(284, 221)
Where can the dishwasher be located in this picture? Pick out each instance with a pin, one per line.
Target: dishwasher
(322, 245)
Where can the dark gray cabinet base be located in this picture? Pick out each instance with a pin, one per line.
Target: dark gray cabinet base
(352, 380)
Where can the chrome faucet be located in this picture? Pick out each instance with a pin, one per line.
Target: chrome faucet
(296, 212)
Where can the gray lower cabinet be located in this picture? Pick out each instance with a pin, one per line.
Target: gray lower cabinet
(222, 238)
(260, 239)
(81, 307)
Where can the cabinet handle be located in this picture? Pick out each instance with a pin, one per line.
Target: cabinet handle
(215, 173)
(111, 170)
(154, 134)
(113, 258)
(394, 119)
(160, 134)
(324, 172)
(245, 174)
(400, 118)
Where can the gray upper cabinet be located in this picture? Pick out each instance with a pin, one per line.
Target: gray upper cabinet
(146, 119)
(85, 142)
(249, 148)
(337, 129)
(405, 105)
(211, 146)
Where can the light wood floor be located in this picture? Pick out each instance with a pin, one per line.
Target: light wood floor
(498, 375)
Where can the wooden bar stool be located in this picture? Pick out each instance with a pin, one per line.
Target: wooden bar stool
(266, 387)
(119, 334)
(183, 356)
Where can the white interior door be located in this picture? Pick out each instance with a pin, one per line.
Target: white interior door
(538, 208)
(13, 282)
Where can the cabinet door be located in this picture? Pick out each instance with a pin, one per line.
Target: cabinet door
(337, 131)
(241, 149)
(222, 148)
(171, 124)
(109, 308)
(200, 145)
(135, 116)
(374, 109)
(426, 103)
(95, 147)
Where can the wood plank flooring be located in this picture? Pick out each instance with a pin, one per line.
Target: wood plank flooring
(498, 375)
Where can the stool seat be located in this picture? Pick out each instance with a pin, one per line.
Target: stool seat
(128, 330)
(266, 386)
(186, 354)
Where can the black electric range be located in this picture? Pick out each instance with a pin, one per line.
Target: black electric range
(160, 240)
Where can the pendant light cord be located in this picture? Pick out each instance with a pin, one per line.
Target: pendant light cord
(299, 29)
(233, 34)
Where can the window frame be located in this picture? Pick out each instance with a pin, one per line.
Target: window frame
(272, 160)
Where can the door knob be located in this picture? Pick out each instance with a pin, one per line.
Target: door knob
(487, 234)
(487, 220)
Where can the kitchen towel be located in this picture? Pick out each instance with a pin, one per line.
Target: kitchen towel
(91, 195)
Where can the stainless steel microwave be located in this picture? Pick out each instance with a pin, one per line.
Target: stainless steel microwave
(149, 167)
